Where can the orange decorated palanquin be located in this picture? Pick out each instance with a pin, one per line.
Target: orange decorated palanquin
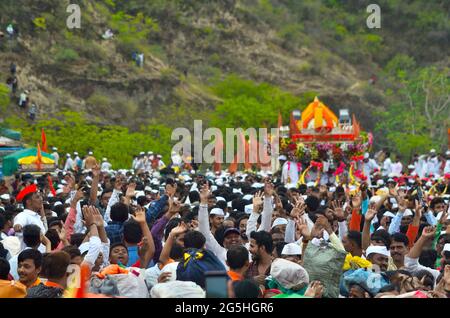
(319, 124)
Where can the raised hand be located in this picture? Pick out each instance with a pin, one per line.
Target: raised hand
(338, 211)
(96, 171)
(257, 201)
(204, 194)
(180, 229)
(370, 214)
(314, 290)
(174, 206)
(62, 233)
(139, 215)
(88, 215)
(130, 190)
(98, 219)
(298, 210)
(302, 229)
(428, 232)
(79, 195)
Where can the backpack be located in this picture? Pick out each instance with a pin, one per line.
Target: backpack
(196, 263)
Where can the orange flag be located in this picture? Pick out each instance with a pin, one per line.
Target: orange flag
(44, 141)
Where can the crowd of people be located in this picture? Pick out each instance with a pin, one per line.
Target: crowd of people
(155, 232)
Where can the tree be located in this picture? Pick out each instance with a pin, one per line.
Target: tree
(418, 116)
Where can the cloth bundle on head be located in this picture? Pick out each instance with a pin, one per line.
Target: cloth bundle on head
(289, 275)
(368, 280)
(177, 289)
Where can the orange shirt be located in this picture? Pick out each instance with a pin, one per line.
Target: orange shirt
(235, 276)
(36, 282)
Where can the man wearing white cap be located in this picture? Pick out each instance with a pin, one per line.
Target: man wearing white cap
(397, 167)
(216, 217)
(105, 165)
(55, 156)
(292, 252)
(379, 256)
(69, 163)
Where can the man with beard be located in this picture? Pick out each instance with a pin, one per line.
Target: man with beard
(261, 246)
(399, 249)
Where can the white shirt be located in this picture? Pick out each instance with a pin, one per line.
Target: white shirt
(291, 171)
(387, 166)
(69, 164)
(433, 166)
(28, 217)
(397, 168)
(56, 156)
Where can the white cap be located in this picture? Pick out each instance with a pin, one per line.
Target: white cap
(257, 185)
(147, 188)
(63, 182)
(219, 182)
(75, 153)
(104, 159)
(447, 152)
(84, 247)
(54, 149)
(389, 214)
(372, 249)
(220, 199)
(366, 155)
(310, 184)
(279, 221)
(138, 194)
(159, 156)
(237, 191)
(411, 167)
(380, 182)
(217, 211)
(292, 249)
(57, 203)
(59, 191)
(141, 153)
(148, 153)
(5, 196)
(247, 197)
(408, 212)
(433, 150)
(248, 208)
(446, 248)
(68, 155)
(282, 157)
(90, 153)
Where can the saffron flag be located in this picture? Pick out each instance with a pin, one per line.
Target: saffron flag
(44, 141)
